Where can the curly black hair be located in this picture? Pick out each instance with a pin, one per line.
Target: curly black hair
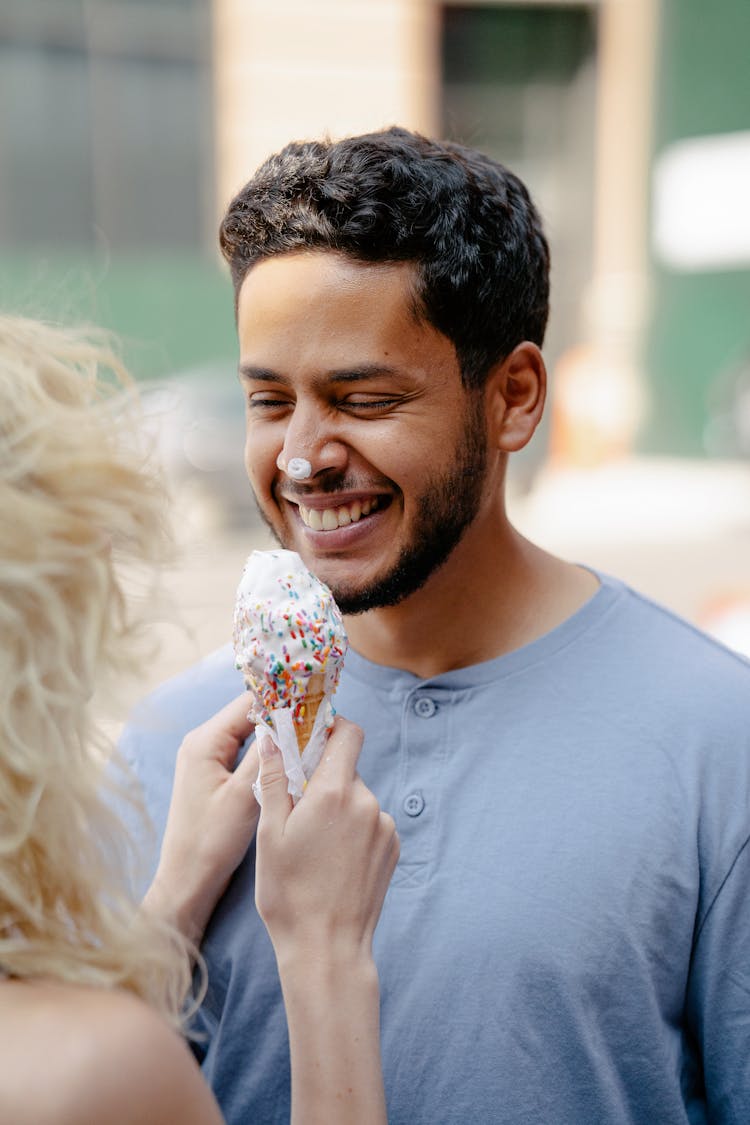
(467, 224)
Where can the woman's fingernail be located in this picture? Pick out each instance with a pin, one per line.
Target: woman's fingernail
(265, 744)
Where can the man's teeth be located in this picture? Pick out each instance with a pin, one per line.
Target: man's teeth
(328, 519)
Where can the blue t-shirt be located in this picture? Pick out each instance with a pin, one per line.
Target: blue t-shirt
(566, 940)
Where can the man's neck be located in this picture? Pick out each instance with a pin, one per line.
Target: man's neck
(496, 593)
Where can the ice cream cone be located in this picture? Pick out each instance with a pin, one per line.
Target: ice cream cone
(314, 696)
(289, 643)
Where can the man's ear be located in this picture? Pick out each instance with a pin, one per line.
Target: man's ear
(516, 389)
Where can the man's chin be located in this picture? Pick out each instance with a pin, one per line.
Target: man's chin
(387, 590)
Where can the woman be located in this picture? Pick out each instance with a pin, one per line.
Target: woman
(94, 988)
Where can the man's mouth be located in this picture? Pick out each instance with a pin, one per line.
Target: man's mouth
(329, 519)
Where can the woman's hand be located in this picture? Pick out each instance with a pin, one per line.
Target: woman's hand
(322, 870)
(324, 865)
(212, 817)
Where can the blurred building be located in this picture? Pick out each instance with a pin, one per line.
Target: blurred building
(126, 125)
(107, 177)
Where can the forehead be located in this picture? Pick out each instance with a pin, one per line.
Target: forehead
(327, 308)
(306, 273)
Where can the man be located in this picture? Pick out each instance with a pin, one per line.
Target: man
(567, 936)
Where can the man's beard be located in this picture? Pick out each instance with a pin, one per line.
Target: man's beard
(445, 509)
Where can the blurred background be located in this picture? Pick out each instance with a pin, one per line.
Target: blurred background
(127, 125)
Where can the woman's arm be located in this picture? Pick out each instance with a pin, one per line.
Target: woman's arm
(323, 868)
(212, 818)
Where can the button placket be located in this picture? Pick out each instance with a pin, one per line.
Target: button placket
(420, 763)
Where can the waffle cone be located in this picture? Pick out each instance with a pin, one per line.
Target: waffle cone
(313, 699)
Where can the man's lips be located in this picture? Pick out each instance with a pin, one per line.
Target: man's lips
(326, 513)
(328, 519)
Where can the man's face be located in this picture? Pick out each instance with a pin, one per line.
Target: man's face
(337, 370)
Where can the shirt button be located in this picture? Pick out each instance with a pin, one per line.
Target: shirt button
(413, 804)
(425, 707)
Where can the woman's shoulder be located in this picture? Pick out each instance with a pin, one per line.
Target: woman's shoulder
(69, 1053)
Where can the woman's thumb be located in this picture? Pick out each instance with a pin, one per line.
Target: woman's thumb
(272, 780)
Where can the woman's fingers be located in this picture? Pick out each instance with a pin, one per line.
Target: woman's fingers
(340, 757)
(221, 736)
(277, 804)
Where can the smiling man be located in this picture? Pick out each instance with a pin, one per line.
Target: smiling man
(567, 936)
(336, 365)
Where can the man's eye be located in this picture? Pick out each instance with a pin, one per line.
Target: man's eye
(365, 404)
(266, 402)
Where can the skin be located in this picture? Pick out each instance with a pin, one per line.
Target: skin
(107, 1057)
(337, 368)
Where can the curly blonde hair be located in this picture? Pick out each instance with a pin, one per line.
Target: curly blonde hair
(80, 515)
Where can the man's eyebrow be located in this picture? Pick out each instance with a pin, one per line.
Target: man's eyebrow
(360, 372)
(261, 374)
(356, 374)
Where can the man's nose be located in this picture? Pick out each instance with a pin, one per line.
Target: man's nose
(312, 444)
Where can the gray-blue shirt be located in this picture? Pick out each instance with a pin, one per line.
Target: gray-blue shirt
(566, 940)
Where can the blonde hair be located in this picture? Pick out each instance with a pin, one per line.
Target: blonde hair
(79, 514)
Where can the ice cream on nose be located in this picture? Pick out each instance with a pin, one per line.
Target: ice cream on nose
(299, 469)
